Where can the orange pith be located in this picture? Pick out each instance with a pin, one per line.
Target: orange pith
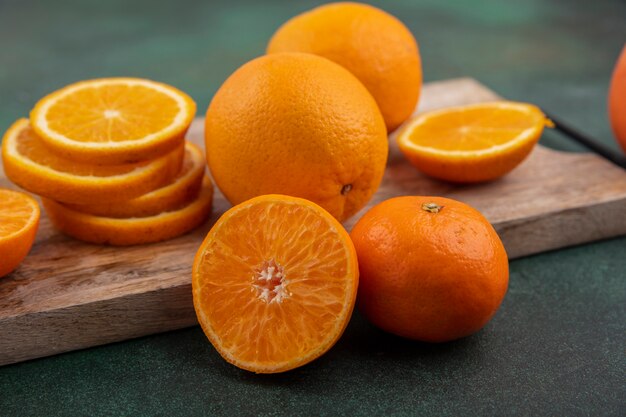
(274, 283)
(19, 219)
(176, 194)
(29, 163)
(472, 143)
(113, 120)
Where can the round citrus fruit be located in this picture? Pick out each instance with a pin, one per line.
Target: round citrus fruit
(370, 43)
(474, 143)
(300, 125)
(113, 120)
(19, 219)
(274, 283)
(431, 268)
(617, 100)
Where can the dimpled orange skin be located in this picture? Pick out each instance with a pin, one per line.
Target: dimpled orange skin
(299, 125)
(617, 100)
(372, 44)
(428, 276)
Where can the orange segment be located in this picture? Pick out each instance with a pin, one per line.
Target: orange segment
(19, 219)
(131, 231)
(274, 283)
(172, 196)
(29, 163)
(113, 120)
(472, 143)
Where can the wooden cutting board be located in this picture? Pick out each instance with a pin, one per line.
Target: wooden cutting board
(69, 295)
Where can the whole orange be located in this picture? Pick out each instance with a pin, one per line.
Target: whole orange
(370, 43)
(431, 268)
(617, 100)
(300, 125)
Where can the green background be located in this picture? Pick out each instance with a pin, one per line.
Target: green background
(556, 347)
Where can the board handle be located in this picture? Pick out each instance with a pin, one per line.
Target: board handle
(587, 141)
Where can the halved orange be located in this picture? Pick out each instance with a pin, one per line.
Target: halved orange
(172, 196)
(274, 283)
(134, 230)
(474, 143)
(113, 120)
(29, 163)
(19, 219)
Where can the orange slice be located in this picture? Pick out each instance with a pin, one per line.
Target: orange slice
(474, 143)
(274, 283)
(19, 218)
(135, 230)
(113, 120)
(172, 196)
(29, 163)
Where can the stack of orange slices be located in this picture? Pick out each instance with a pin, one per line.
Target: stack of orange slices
(110, 161)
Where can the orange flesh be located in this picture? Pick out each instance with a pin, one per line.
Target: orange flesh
(19, 218)
(473, 129)
(274, 283)
(15, 213)
(33, 148)
(112, 113)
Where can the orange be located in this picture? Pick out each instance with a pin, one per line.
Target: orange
(375, 46)
(474, 143)
(274, 283)
(299, 125)
(134, 230)
(113, 120)
(19, 219)
(29, 163)
(178, 193)
(617, 100)
(432, 269)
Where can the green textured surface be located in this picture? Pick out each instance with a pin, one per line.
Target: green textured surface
(556, 347)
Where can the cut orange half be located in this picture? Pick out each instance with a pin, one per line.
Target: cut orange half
(135, 230)
(274, 283)
(172, 196)
(19, 218)
(113, 120)
(474, 143)
(29, 163)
